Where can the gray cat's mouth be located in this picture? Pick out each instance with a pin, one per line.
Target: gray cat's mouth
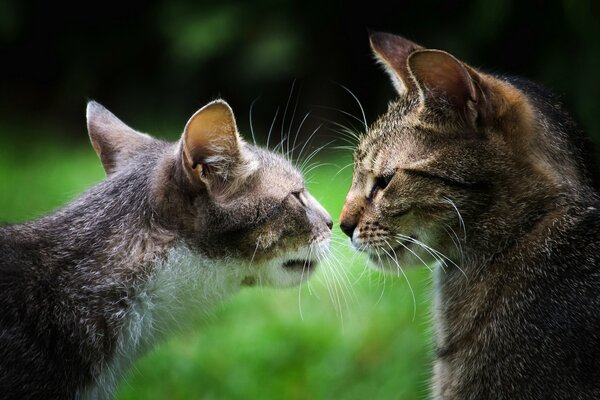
(299, 265)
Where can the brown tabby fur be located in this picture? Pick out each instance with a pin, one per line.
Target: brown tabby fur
(491, 174)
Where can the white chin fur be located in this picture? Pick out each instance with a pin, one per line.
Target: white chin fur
(274, 273)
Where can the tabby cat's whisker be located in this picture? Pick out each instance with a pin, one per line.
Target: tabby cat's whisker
(307, 142)
(460, 218)
(341, 169)
(381, 266)
(395, 259)
(439, 253)
(344, 280)
(340, 111)
(456, 242)
(415, 254)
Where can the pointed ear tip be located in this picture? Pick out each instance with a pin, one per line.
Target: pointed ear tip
(219, 103)
(92, 108)
(376, 37)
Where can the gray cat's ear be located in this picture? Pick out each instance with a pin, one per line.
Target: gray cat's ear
(393, 51)
(440, 76)
(114, 142)
(210, 143)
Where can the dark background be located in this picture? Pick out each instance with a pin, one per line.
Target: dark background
(154, 63)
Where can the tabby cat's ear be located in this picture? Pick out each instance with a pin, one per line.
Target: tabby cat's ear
(211, 144)
(114, 141)
(393, 51)
(443, 79)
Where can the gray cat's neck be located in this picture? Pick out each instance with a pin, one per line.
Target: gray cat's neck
(182, 289)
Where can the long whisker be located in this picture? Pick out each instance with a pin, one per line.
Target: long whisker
(395, 259)
(250, 118)
(460, 218)
(272, 125)
(287, 104)
(362, 110)
(440, 254)
(415, 254)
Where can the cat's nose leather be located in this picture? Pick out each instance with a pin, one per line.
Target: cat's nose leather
(347, 228)
(329, 223)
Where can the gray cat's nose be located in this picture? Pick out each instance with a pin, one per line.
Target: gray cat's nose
(329, 222)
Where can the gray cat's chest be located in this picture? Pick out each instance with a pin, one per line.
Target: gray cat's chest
(181, 290)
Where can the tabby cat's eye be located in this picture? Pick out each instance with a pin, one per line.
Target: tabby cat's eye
(381, 182)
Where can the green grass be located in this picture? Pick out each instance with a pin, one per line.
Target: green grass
(361, 342)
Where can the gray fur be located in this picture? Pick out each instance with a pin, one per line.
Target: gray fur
(88, 288)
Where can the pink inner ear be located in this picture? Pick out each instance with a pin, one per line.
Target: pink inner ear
(443, 75)
(211, 132)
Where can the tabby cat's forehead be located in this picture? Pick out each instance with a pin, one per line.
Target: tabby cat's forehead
(383, 136)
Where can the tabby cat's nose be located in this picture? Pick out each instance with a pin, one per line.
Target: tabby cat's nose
(347, 228)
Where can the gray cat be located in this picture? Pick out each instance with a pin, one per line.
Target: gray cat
(174, 229)
(490, 176)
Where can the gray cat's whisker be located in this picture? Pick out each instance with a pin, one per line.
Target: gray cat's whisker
(294, 146)
(300, 154)
(314, 166)
(250, 120)
(271, 128)
(343, 279)
(314, 154)
(362, 110)
(285, 110)
(289, 129)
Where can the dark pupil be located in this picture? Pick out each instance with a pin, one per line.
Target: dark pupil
(381, 183)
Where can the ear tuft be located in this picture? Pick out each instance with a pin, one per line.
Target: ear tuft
(393, 51)
(114, 141)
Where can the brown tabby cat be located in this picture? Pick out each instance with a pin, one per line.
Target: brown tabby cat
(490, 172)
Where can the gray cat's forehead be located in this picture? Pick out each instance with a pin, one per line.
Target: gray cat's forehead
(277, 167)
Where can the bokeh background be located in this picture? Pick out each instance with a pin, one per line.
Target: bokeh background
(351, 333)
